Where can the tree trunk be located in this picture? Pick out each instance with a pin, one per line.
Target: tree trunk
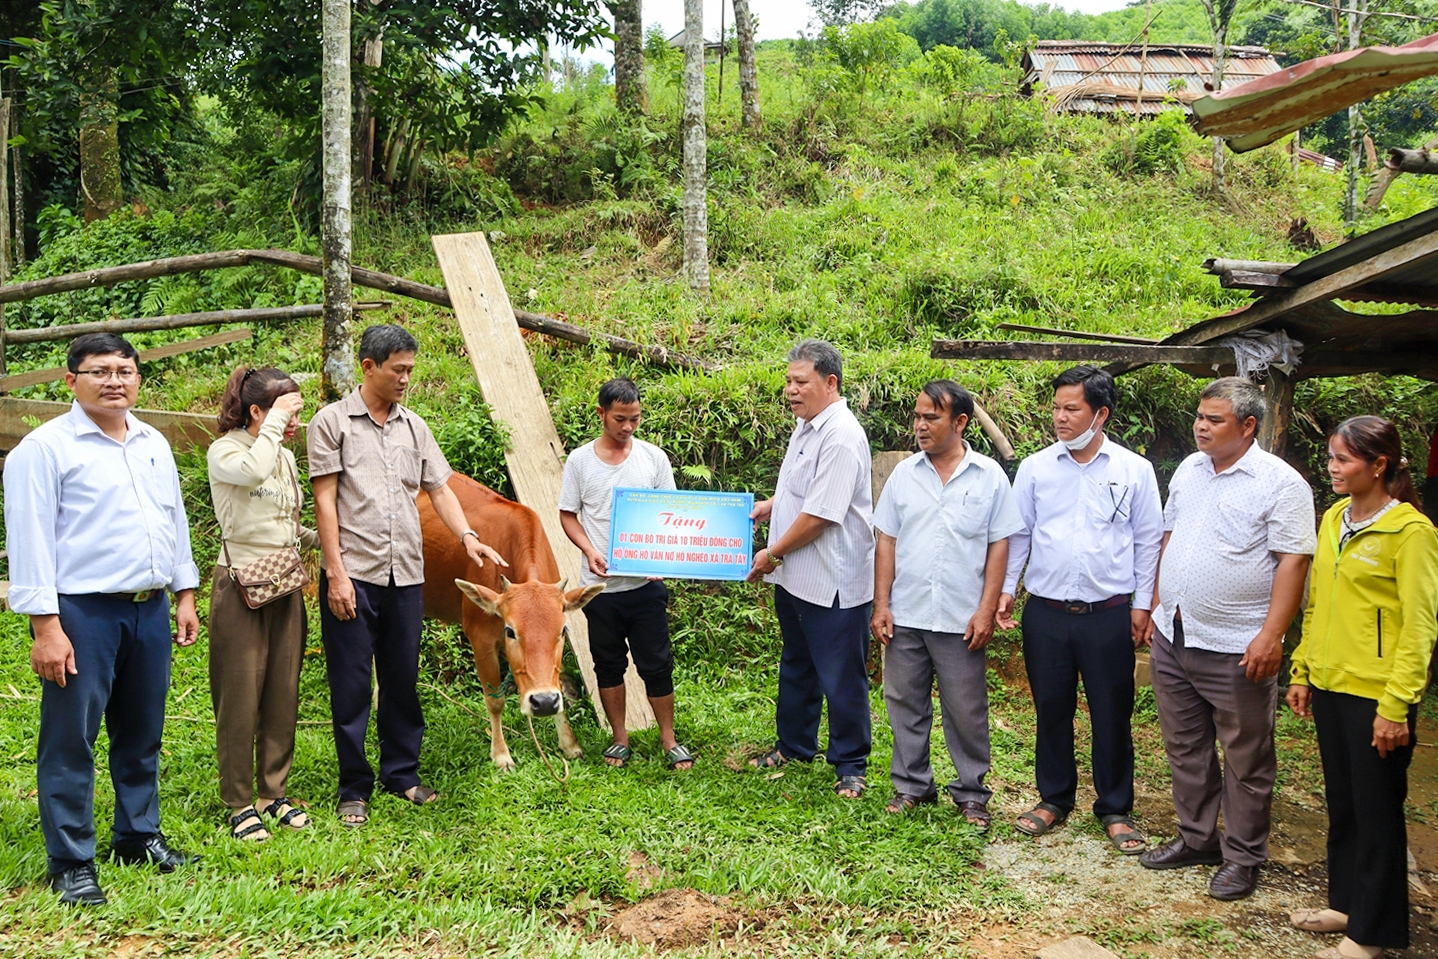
(5, 105)
(748, 75)
(100, 145)
(1220, 64)
(19, 220)
(364, 126)
(335, 226)
(1357, 14)
(696, 214)
(630, 92)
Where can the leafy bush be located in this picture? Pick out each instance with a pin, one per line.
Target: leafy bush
(950, 70)
(1156, 147)
(869, 54)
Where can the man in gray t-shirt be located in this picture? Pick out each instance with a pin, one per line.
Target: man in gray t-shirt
(631, 616)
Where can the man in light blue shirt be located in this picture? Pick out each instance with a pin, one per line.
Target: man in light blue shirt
(1094, 528)
(943, 520)
(97, 533)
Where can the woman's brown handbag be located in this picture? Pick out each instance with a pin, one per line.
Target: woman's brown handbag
(278, 574)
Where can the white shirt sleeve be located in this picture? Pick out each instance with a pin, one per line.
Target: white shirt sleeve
(886, 514)
(570, 498)
(1147, 521)
(186, 574)
(1023, 493)
(663, 471)
(1004, 519)
(32, 502)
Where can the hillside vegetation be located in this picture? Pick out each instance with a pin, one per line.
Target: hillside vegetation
(920, 201)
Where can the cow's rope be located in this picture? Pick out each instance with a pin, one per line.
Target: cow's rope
(557, 778)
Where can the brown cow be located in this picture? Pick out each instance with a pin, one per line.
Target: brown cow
(528, 613)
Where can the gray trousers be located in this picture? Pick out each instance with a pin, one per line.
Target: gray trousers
(1205, 696)
(912, 660)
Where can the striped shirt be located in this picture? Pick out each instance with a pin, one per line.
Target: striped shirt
(826, 474)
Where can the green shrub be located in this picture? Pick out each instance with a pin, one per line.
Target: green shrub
(1155, 147)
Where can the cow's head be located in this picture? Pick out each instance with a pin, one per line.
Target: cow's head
(534, 634)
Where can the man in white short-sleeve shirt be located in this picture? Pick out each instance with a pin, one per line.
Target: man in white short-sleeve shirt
(631, 616)
(1239, 537)
(943, 520)
(820, 558)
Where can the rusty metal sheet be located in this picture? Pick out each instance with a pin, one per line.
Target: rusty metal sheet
(1260, 111)
(1104, 77)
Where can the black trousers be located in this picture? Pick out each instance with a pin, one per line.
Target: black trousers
(632, 623)
(823, 658)
(1367, 834)
(1059, 648)
(122, 662)
(386, 628)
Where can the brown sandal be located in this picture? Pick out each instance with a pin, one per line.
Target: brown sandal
(976, 813)
(903, 802)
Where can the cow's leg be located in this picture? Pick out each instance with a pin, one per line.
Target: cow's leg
(567, 741)
(488, 665)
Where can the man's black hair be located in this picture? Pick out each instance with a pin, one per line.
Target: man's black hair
(950, 397)
(378, 342)
(621, 389)
(1098, 389)
(99, 344)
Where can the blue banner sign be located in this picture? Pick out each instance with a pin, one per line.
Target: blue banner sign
(681, 534)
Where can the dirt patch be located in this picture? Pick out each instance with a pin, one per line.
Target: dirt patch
(676, 918)
(643, 873)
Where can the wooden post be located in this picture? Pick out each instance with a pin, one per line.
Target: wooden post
(1278, 392)
(536, 459)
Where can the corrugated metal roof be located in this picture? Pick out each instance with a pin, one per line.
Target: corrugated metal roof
(1089, 77)
(1260, 111)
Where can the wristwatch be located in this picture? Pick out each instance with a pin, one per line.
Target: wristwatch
(468, 532)
(774, 558)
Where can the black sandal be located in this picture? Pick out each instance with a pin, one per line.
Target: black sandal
(853, 784)
(773, 759)
(285, 812)
(1134, 834)
(357, 808)
(903, 802)
(679, 754)
(248, 833)
(1037, 827)
(976, 814)
(618, 751)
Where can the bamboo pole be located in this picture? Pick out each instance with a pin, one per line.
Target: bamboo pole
(370, 279)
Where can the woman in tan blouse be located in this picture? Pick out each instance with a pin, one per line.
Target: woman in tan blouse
(255, 654)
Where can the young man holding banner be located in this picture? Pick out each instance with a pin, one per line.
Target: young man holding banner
(631, 616)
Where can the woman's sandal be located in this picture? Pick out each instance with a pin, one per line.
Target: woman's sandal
(353, 809)
(255, 832)
(679, 754)
(1117, 840)
(850, 784)
(1032, 825)
(903, 802)
(1348, 949)
(619, 752)
(287, 814)
(1319, 920)
(773, 759)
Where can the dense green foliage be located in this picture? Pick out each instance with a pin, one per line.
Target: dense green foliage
(879, 209)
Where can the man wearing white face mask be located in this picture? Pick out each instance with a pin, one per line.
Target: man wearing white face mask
(1095, 526)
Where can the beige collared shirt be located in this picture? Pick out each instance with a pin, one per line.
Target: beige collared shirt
(381, 471)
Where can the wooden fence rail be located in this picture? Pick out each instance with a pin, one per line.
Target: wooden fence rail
(18, 381)
(371, 279)
(175, 321)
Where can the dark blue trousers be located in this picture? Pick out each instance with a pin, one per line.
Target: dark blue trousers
(386, 629)
(122, 662)
(1059, 648)
(824, 657)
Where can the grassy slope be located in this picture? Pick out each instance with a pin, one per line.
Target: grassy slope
(878, 224)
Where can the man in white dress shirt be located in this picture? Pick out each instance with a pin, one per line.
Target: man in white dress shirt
(97, 533)
(1239, 535)
(820, 559)
(943, 520)
(1094, 527)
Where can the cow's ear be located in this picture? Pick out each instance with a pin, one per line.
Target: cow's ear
(483, 597)
(576, 598)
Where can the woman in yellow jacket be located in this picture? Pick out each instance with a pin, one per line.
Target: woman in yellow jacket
(1360, 671)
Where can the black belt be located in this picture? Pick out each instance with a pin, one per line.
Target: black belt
(142, 596)
(1083, 609)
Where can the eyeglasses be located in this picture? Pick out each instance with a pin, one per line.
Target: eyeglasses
(103, 376)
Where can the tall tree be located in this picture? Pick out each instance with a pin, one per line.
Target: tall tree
(630, 91)
(1220, 16)
(748, 74)
(1357, 14)
(695, 203)
(335, 224)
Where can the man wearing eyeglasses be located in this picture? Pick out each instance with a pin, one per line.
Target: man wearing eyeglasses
(97, 535)
(1095, 525)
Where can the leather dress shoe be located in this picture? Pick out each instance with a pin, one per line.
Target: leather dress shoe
(79, 886)
(1177, 854)
(1233, 881)
(154, 850)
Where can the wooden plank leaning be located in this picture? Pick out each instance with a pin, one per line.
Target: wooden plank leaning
(32, 377)
(536, 458)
